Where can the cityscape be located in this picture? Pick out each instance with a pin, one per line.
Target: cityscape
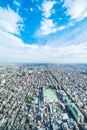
(43, 97)
(43, 64)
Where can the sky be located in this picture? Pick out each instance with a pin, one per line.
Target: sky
(43, 31)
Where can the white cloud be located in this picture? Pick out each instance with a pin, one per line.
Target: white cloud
(31, 9)
(62, 27)
(14, 50)
(47, 27)
(17, 3)
(47, 8)
(76, 9)
(9, 20)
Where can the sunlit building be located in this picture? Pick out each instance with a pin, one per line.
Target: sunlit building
(79, 117)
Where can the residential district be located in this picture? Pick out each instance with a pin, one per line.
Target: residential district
(43, 97)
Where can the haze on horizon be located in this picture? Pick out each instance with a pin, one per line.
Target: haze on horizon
(43, 31)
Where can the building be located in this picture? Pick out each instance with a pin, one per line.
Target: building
(79, 117)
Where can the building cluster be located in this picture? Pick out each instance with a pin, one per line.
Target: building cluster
(43, 97)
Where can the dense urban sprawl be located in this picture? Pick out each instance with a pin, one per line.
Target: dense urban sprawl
(43, 97)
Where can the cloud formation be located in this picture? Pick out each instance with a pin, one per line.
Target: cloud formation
(47, 27)
(68, 44)
(76, 9)
(14, 50)
(47, 24)
(10, 21)
(47, 8)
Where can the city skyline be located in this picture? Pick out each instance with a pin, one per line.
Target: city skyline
(46, 31)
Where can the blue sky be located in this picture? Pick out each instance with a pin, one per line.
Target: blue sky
(43, 31)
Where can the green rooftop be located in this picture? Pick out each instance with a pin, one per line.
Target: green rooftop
(49, 95)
